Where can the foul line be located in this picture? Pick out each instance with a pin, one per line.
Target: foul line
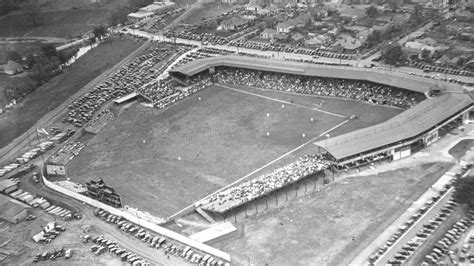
(265, 166)
(281, 101)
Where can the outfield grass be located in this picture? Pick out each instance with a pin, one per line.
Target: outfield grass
(163, 160)
(54, 92)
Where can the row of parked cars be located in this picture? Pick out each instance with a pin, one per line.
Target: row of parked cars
(53, 255)
(442, 247)
(427, 67)
(202, 37)
(104, 244)
(405, 227)
(158, 242)
(127, 79)
(423, 234)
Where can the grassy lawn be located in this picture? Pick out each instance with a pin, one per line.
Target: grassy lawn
(204, 144)
(63, 19)
(461, 148)
(328, 226)
(53, 93)
(62, 24)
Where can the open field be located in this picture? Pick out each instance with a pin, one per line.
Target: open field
(325, 227)
(203, 144)
(63, 24)
(66, 18)
(53, 93)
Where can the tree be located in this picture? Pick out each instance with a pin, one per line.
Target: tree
(44, 69)
(48, 50)
(373, 39)
(14, 56)
(425, 54)
(371, 12)
(417, 16)
(99, 32)
(464, 193)
(393, 54)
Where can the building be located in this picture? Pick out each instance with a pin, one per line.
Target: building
(139, 15)
(158, 7)
(268, 34)
(100, 191)
(12, 210)
(284, 27)
(232, 23)
(7, 186)
(297, 37)
(12, 68)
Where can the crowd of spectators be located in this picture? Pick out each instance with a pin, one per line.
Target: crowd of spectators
(99, 121)
(352, 89)
(164, 93)
(264, 184)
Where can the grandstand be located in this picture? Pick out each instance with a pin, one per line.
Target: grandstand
(396, 138)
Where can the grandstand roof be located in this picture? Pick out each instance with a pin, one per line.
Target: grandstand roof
(391, 78)
(408, 124)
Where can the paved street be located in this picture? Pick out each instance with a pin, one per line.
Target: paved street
(282, 55)
(417, 226)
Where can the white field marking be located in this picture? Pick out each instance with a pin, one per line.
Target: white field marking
(266, 165)
(281, 101)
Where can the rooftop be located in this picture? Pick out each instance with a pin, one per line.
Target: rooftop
(410, 123)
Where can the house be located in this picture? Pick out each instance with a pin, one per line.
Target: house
(268, 34)
(281, 36)
(470, 65)
(232, 23)
(416, 47)
(12, 210)
(297, 37)
(139, 15)
(284, 27)
(442, 61)
(158, 7)
(12, 68)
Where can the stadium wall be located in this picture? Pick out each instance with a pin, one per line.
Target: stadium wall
(382, 76)
(144, 223)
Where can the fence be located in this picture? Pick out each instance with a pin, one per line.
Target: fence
(144, 223)
(279, 197)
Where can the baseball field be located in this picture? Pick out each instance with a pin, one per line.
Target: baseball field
(163, 160)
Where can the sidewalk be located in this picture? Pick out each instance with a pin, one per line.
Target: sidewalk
(361, 259)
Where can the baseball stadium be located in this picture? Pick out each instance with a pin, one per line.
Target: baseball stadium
(213, 147)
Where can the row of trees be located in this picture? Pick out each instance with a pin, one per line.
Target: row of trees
(464, 193)
(43, 64)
